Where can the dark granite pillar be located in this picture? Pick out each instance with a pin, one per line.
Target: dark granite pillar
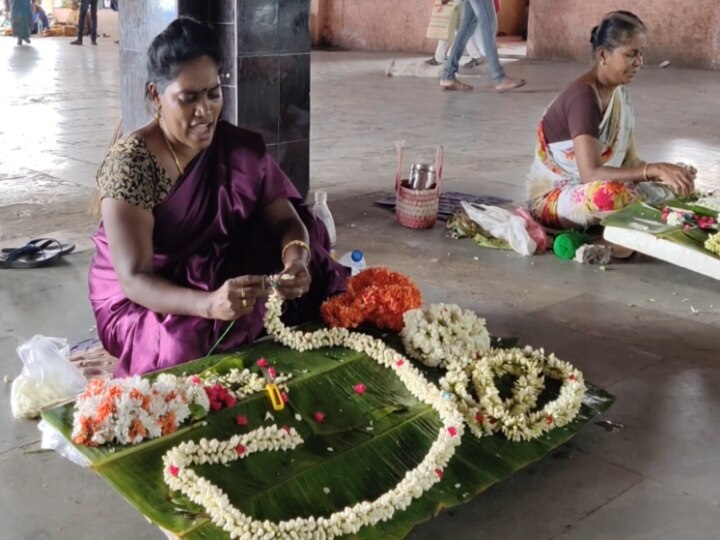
(266, 83)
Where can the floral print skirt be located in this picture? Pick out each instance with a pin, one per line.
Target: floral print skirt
(582, 205)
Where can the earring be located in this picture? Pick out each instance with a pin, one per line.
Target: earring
(157, 115)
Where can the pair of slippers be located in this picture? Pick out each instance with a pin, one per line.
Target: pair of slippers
(35, 254)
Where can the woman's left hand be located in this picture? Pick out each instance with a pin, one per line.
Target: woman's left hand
(295, 281)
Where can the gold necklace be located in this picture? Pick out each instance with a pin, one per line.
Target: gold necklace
(169, 146)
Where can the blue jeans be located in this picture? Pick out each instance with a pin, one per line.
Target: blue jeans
(478, 14)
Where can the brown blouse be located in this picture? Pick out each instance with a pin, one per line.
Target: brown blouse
(574, 112)
(131, 173)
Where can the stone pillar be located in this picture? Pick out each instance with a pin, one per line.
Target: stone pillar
(266, 82)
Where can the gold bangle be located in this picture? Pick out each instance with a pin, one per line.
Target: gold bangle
(645, 176)
(292, 243)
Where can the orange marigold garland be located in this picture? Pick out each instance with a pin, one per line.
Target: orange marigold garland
(376, 296)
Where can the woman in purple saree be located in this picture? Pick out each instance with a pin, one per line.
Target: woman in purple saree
(196, 215)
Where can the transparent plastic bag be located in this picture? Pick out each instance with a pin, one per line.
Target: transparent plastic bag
(52, 439)
(47, 378)
(504, 224)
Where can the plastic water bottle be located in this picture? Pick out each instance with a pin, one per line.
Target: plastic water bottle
(322, 212)
(355, 260)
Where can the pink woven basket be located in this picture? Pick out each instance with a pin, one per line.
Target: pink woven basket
(417, 208)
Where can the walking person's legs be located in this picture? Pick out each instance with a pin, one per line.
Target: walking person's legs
(475, 52)
(84, 5)
(440, 52)
(468, 23)
(487, 30)
(93, 21)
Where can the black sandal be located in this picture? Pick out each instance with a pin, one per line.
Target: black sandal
(64, 248)
(34, 255)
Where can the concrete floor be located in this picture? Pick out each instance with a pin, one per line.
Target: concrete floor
(643, 329)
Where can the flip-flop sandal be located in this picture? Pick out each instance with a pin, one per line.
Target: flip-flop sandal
(65, 248)
(455, 85)
(517, 83)
(33, 256)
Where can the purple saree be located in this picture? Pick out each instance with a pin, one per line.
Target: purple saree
(208, 229)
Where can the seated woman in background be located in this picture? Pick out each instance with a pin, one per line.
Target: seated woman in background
(195, 215)
(586, 164)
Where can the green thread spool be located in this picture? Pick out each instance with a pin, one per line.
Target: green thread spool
(567, 243)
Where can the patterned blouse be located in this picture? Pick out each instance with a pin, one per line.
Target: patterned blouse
(132, 174)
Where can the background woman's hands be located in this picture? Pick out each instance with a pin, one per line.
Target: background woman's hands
(235, 298)
(679, 178)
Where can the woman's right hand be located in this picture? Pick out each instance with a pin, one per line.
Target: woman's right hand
(235, 299)
(679, 178)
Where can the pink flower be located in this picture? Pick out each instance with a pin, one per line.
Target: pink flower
(604, 200)
(287, 429)
(195, 379)
(400, 363)
(262, 362)
(173, 470)
(230, 400)
(284, 397)
(272, 372)
(240, 449)
(452, 430)
(241, 420)
(439, 473)
(359, 388)
(319, 417)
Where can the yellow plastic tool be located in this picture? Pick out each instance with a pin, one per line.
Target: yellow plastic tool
(275, 396)
(273, 392)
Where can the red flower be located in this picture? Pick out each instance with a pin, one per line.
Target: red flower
(452, 430)
(241, 420)
(400, 363)
(359, 388)
(284, 397)
(173, 470)
(262, 362)
(240, 449)
(571, 377)
(549, 420)
(272, 372)
(287, 429)
(319, 417)
(439, 473)
(479, 418)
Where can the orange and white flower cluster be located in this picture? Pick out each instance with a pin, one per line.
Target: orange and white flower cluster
(128, 411)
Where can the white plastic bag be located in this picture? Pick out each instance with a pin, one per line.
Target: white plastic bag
(501, 223)
(52, 439)
(47, 378)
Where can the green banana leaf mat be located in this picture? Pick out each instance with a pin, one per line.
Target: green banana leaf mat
(363, 448)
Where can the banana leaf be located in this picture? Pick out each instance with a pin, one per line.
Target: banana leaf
(363, 448)
(645, 218)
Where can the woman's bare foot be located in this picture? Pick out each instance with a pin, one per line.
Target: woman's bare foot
(455, 85)
(508, 84)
